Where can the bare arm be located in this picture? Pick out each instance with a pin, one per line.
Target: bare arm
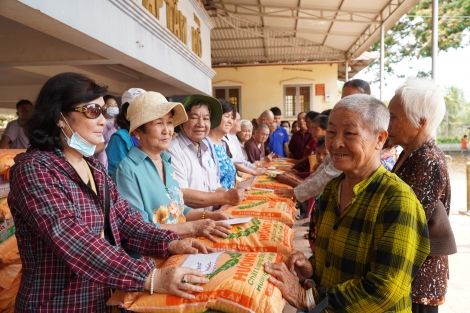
(4, 141)
(286, 149)
(201, 199)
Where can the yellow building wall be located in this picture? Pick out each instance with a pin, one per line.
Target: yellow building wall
(261, 87)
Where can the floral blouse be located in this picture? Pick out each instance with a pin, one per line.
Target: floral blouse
(425, 170)
(227, 169)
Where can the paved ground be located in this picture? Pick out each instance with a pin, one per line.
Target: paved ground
(458, 294)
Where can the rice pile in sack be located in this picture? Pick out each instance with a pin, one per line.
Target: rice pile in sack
(238, 284)
(264, 209)
(257, 235)
(267, 182)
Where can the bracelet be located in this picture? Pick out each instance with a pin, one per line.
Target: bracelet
(151, 280)
(203, 214)
(310, 299)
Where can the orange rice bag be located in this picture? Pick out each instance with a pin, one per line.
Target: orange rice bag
(239, 284)
(8, 274)
(5, 209)
(8, 295)
(7, 158)
(265, 209)
(258, 194)
(9, 251)
(267, 182)
(256, 236)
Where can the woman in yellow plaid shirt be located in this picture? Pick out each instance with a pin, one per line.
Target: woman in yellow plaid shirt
(372, 233)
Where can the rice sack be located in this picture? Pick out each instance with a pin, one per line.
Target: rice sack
(267, 182)
(264, 209)
(238, 284)
(257, 235)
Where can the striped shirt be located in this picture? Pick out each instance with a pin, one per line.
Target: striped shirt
(367, 256)
(67, 266)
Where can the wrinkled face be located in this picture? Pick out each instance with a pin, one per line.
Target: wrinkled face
(261, 135)
(157, 135)
(245, 133)
(317, 131)
(226, 123)
(199, 123)
(90, 129)
(301, 122)
(236, 124)
(351, 143)
(400, 130)
(320, 154)
(277, 120)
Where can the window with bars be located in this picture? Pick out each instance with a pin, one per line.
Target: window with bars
(231, 94)
(297, 99)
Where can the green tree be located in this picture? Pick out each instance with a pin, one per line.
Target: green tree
(458, 112)
(411, 36)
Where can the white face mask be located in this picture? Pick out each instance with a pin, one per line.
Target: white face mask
(112, 111)
(78, 143)
(287, 129)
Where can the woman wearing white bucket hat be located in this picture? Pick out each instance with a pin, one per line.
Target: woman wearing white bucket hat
(145, 176)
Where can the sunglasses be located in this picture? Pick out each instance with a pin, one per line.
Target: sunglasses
(92, 110)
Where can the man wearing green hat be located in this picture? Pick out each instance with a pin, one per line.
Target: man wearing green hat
(195, 168)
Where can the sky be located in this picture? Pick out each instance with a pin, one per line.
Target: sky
(453, 69)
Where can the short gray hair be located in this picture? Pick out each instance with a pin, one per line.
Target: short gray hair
(422, 99)
(246, 123)
(262, 126)
(372, 111)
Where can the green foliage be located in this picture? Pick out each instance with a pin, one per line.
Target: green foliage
(457, 119)
(411, 36)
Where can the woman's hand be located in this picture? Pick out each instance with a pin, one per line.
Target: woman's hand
(188, 246)
(217, 216)
(288, 284)
(258, 171)
(285, 193)
(207, 228)
(169, 280)
(300, 266)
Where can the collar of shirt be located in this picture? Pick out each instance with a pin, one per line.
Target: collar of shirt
(137, 155)
(184, 142)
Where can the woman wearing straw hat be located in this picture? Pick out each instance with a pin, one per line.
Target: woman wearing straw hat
(146, 178)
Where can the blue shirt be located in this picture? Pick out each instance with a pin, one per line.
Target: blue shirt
(277, 140)
(227, 171)
(119, 145)
(140, 184)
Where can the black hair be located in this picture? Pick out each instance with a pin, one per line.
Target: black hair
(60, 93)
(311, 115)
(359, 84)
(228, 107)
(300, 113)
(21, 102)
(321, 142)
(288, 123)
(276, 111)
(120, 121)
(107, 97)
(294, 123)
(326, 112)
(142, 127)
(322, 121)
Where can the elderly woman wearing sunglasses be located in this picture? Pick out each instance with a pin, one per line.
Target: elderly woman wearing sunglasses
(71, 222)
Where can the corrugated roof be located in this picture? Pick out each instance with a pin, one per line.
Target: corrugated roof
(289, 31)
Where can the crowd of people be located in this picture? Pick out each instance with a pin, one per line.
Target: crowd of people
(104, 183)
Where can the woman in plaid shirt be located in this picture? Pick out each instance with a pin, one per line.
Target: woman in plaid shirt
(372, 233)
(71, 253)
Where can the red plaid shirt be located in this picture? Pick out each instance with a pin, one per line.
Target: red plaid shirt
(67, 267)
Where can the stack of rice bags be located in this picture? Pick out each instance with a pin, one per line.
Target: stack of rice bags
(10, 263)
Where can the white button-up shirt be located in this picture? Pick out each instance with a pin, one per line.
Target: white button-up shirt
(193, 172)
